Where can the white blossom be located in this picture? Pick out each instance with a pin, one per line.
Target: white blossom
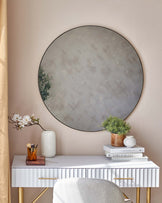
(16, 117)
(26, 119)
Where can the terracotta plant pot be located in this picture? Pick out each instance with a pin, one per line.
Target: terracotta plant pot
(117, 140)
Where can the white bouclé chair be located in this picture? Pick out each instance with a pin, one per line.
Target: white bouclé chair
(86, 191)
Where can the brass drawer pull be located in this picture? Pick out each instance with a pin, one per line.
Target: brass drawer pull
(123, 178)
(47, 178)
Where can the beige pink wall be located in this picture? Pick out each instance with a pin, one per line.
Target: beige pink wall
(33, 24)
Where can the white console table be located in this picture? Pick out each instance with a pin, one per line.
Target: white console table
(125, 174)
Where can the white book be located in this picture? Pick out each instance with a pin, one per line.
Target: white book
(144, 158)
(138, 154)
(111, 149)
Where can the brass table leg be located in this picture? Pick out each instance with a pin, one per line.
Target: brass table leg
(21, 195)
(148, 195)
(137, 195)
(40, 195)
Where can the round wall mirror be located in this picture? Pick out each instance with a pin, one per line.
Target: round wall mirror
(89, 73)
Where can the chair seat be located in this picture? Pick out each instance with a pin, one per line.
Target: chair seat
(86, 191)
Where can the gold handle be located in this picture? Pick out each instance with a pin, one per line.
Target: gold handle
(47, 178)
(123, 178)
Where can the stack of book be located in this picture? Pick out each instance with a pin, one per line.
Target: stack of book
(125, 153)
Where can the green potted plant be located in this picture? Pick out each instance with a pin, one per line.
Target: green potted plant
(118, 128)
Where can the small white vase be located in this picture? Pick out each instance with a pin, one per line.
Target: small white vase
(48, 143)
(130, 141)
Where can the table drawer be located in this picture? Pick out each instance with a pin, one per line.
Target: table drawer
(127, 177)
(43, 177)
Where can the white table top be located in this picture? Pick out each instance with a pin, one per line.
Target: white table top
(61, 161)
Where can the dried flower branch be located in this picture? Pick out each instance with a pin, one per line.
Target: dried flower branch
(24, 121)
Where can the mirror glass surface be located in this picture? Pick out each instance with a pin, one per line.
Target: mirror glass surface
(89, 73)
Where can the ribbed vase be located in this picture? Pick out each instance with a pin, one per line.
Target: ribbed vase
(48, 143)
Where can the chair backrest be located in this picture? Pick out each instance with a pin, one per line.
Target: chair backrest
(86, 191)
